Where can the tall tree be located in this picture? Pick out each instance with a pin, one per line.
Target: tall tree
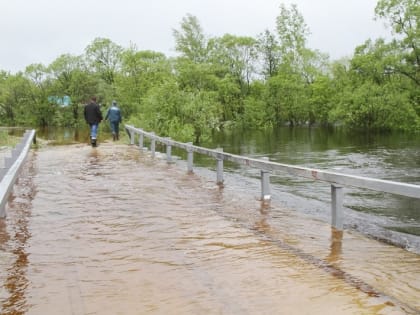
(15, 98)
(404, 18)
(233, 59)
(190, 40)
(43, 112)
(293, 32)
(140, 72)
(238, 55)
(104, 56)
(298, 69)
(269, 52)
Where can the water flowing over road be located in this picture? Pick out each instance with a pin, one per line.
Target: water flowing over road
(109, 230)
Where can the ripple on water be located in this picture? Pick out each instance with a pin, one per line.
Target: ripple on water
(113, 232)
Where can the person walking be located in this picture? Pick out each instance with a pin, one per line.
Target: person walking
(114, 116)
(93, 117)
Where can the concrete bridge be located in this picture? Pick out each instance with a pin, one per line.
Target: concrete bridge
(113, 230)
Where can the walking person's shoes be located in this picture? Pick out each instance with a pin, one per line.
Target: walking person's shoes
(114, 137)
(93, 142)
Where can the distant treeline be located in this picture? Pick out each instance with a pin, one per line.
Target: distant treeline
(232, 81)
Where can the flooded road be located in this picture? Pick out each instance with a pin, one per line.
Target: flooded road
(111, 231)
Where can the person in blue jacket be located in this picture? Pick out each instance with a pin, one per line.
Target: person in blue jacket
(115, 118)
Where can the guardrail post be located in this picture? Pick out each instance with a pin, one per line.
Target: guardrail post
(337, 206)
(219, 167)
(153, 144)
(190, 158)
(141, 141)
(132, 137)
(168, 152)
(265, 185)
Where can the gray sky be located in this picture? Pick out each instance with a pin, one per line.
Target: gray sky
(39, 31)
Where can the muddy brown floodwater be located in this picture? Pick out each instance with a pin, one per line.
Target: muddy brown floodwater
(112, 231)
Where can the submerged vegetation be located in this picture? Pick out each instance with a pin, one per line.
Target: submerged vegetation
(222, 82)
(9, 139)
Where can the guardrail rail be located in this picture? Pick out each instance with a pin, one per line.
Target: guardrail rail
(12, 166)
(336, 180)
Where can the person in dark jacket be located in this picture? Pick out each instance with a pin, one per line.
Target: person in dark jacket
(93, 117)
(114, 116)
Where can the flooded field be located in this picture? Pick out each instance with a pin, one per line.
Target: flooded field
(111, 231)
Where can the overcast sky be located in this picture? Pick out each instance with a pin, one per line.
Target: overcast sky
(39, 31)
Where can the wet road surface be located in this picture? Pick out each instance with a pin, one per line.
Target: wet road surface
(111, 231)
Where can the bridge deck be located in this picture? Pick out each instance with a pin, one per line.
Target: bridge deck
(111, 231)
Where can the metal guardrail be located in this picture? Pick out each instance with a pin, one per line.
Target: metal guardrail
(337, 180)
(12, 166)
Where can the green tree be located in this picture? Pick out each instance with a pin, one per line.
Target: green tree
(237, 55)
(255, 115)
(43, 113)
(104, 57)
(193, 76)
(140, 72)
(404, 18)
(72, 78)
(374, 96)
(190, 40)
(15, 100)
(269, 52)
(292, 32)
(200, 112)
(320, 100)
(373, 106)
(231, 100)
(233, 59)
(184, 115)
(291, 96)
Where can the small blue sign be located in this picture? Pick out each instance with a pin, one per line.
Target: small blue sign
(66, 100)
(61, 101)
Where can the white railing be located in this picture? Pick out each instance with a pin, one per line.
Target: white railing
(12, 166)
(337, 181)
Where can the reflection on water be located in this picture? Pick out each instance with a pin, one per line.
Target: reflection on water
(112, 231)
(384, 156)
(14, 238)
(64, 136)
(336, 246)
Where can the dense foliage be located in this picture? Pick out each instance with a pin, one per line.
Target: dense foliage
(220, 82)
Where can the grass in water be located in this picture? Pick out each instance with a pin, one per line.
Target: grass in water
(7, 140)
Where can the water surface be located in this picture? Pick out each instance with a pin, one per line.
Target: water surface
(112, 231)
(394, 157)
